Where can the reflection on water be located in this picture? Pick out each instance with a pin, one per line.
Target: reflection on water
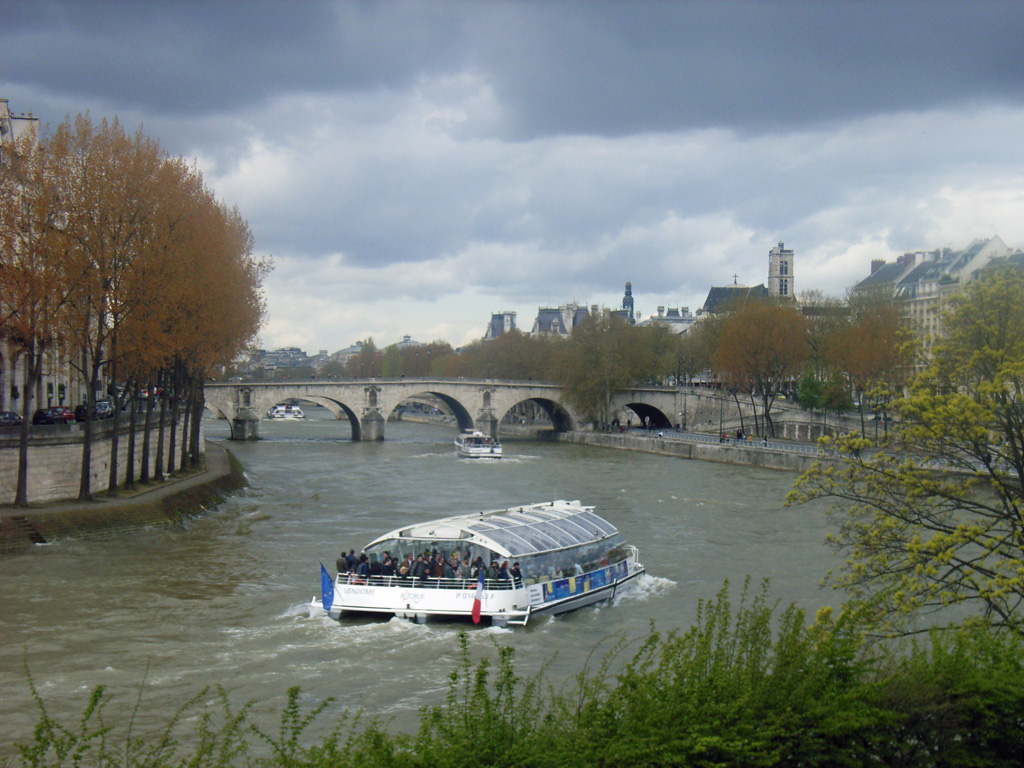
(223, 599)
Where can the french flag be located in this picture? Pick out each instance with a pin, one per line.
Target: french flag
(478, 597)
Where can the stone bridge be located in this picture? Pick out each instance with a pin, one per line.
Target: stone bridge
(367, 403)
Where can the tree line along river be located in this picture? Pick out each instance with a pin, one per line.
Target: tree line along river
(224, 599)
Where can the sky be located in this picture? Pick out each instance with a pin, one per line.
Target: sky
(414, 167)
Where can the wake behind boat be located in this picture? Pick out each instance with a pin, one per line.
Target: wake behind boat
(563, 556)
(474, 444)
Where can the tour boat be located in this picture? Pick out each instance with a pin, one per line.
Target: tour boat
(285, 412)
(568, 557)
(474, 444)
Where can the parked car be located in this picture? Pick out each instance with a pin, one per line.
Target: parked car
(9, 419)
(104, 409)
(57, 414)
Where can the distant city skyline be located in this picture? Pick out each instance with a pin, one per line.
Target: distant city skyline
(416, 167)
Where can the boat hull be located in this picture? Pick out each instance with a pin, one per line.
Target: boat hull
(474, 444)
(502, 602)
(477, 453)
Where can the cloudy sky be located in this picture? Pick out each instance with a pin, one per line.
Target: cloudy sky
(413, 167)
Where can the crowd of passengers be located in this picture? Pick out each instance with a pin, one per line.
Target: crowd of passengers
(425, 566)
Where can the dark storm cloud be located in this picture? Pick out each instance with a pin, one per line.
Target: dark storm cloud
(431, 162)
(626, 67)
(578, 67)
(189, 57)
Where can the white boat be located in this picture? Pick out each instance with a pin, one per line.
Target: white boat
(568, 557)
(285, 412)
(474, 444)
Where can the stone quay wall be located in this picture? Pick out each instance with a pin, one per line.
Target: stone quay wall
(55, 458)
(728, 453)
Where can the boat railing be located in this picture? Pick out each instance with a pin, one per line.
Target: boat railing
(429, 583)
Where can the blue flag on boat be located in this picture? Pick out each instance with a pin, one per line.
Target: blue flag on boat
(326, 588)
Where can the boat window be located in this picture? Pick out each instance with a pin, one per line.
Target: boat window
(598, 522)
(506, 537)
(579, 528)
(398, 548)
(539, 532)
(554, 531)
(569, 562)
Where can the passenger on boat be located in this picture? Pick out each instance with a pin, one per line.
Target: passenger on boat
(503, 571)
(341, 563)
(388, 567)
(478, 565)
(420, 570)
(516, 574)
(437, 569)
(352, 559)
(363, 569)
(492, 570)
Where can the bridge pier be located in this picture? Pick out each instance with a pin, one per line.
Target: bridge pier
(245, 425)
(372, 426)
(487, 424)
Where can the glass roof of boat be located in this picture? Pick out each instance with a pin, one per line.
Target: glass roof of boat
(525, 530)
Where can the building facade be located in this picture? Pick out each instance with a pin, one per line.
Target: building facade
(559, 321)
(501, 323)
(781, 284)
(923, 281)
(676, 319)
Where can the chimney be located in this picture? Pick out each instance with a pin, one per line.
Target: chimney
(877, 264)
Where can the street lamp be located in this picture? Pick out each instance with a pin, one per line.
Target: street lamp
(721, 407)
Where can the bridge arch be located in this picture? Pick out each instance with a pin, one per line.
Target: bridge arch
(459, 411)
(561, 419)
(650, 415)
(339, 410)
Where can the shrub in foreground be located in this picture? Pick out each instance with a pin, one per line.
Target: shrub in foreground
(755, 686)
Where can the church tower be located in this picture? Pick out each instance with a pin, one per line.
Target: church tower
(780, 273)
(627, 303)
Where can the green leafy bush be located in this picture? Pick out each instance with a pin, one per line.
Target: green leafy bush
(754, 686)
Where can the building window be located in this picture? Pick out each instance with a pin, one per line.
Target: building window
(783, 267)
(783, 287)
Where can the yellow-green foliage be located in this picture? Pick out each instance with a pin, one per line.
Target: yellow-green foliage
(933, 519)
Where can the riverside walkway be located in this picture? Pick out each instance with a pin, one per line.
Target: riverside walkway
(156, 503)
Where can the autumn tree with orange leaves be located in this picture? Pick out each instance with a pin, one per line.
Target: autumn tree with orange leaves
(37, 275)
(761, 348)
(874, 350)
(151, 279)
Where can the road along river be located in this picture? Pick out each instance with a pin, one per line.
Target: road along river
(224, 599)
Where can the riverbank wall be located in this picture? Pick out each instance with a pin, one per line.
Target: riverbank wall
(750, 454)
(55, 457)
(155, 504)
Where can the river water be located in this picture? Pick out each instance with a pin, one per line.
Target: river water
(223, 600)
